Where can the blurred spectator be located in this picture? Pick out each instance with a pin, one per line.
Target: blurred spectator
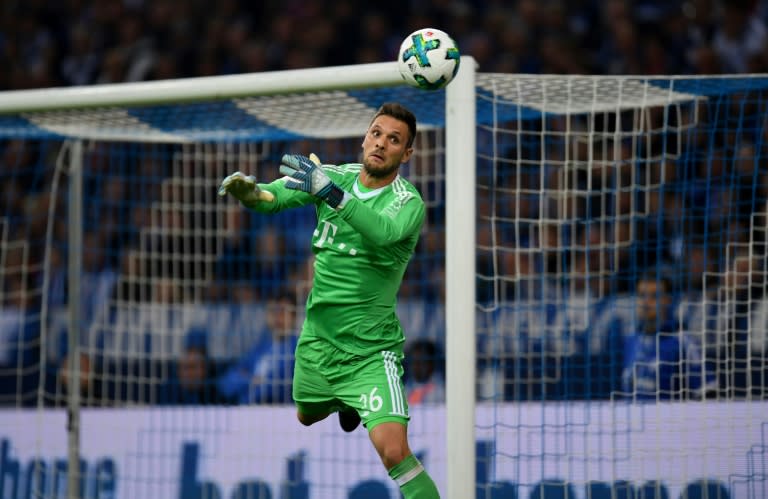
(81, 43)
(424, 380)
(88, 380)
(19, 329)
(167, 291)
(425, 277)
(698, 309)
(236, 267)
(741, 346)
(660, 361)
(521, 277)
(79, 66)
(97, 280)
(264, 374)
(590, 263)
(193, 382)
(740, 36)
(132, 284)
(253, 261)
(136, 46)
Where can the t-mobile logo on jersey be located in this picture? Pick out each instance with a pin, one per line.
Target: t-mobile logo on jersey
(325, 236)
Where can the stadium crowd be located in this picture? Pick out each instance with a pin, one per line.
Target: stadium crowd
(82, 42)
(691, 218)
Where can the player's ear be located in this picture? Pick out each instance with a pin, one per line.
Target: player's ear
(406, 155)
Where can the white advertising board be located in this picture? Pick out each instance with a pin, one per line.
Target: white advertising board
(215, 452)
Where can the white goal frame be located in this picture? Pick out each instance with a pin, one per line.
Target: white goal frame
(460, 130)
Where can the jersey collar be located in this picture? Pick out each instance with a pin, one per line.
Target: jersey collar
(370, 194)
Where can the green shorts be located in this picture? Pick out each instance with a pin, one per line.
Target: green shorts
(326, 380)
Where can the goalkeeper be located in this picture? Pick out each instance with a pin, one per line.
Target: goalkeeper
(350, 351)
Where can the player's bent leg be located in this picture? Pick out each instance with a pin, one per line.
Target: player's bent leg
(375, 389)
(391, 442)
(309, 413)
(310, 419)
(349, 419)
(311, 391)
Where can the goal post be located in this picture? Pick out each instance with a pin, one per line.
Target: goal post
(460, 154)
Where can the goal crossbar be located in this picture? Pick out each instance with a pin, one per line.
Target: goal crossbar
(206, 88)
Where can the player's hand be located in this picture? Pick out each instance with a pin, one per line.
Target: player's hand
(244, 188)
(306, 174)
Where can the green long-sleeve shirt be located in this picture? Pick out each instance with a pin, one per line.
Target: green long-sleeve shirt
(361, 253)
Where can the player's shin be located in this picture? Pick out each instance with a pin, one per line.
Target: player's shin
(413, 480)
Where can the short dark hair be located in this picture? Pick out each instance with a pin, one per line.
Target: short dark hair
(401, 113)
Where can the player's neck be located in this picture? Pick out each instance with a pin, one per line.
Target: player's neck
(371, 182)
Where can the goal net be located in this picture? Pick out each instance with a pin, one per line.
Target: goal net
(621, 286)
(615, 297)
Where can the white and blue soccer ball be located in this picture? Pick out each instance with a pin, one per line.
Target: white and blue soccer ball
(428, 59)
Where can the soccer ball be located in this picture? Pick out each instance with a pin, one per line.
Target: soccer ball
(429, 59)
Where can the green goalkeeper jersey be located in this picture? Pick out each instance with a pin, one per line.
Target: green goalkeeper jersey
(361, 253)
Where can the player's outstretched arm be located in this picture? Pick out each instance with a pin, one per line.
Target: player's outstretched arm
(245, 189)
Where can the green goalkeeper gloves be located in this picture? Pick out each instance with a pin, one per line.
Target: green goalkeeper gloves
(244, 188)
(306, 174)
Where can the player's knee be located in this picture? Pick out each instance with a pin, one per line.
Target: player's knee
(391, 443)
(393, 454)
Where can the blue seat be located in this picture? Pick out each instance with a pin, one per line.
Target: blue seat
(617, 490)
(706, 489)
(252, 490)
(652, 490)
(370, 489)
(552, 489)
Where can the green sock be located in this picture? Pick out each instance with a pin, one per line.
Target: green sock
(413, 480)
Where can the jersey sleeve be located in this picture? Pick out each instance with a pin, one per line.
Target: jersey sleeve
(401, 219)
(285, 198)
